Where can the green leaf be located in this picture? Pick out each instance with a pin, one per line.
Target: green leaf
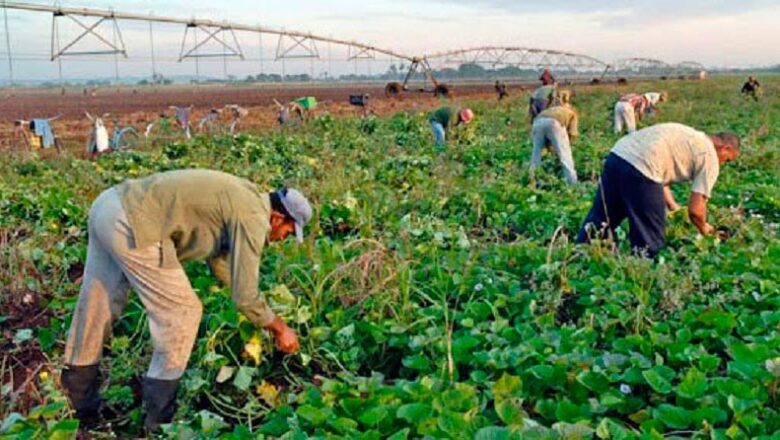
(673, 416)
(493, 433)
(64, 430)
(510, 411)
(372, 416)
(567, 411)
(343, 425)
(311, 414)
(413, 412)
(542, 372)
(693, 385)
(507, 386)
(657, 382)
(400, 435)
(593, 381)
(243, 378)
(748, 353)
(417, 362)
(453, 424)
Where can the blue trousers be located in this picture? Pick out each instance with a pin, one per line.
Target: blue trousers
(624, 192)
(438, 134)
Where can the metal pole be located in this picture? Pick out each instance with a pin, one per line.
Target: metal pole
(116, 56)
(8, 47)
(151, 45)
(224, 60)
(197, 63)
(56, 28)
(260, 41)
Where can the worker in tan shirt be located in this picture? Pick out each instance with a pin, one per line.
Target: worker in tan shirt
(636, 178)
(139, 232)
(555, 127)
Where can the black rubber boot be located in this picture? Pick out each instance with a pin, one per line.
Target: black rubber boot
(160, 402)
(82, 385)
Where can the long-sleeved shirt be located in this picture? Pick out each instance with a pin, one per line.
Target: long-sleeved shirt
(639, 102)
(207, 215)
(566, 116)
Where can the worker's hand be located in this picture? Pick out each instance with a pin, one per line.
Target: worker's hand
(286, 339)
(673, 206)
(707, 229)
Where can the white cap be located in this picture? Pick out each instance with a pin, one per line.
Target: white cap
(298, 207)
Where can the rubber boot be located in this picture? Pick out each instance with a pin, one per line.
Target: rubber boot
(160, 402)
(82, 384)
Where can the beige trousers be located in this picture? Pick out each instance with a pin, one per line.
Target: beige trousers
(625, 116)
(113, 265)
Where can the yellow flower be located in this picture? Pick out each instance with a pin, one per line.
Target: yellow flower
(43, 375)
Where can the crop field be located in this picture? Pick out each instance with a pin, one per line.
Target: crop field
(436, 296)
(139, 106)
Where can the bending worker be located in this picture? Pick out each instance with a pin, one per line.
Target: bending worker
(541, 99)
(139, 231)
(631, 108)
(555, 127)
(440, 121)
(636, 177)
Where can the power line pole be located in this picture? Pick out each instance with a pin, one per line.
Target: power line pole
(8, 47)
(151, 44)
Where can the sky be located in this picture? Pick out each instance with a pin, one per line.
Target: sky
(714, 32)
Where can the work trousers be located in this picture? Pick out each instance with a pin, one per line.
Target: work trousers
(547, 131)
(536, 106)
(439, 135)
(113, 265)
(625, 116)
(624, 192)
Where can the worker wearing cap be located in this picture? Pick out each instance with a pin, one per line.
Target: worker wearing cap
(636, 178)
(442, 118)
(556, 127)
(139, 233)
(629, 110)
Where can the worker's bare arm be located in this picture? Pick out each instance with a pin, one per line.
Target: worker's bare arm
(671, 204)
(697, 212)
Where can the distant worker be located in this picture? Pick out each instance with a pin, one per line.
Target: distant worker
(546, 78)
(501, 90)
(751, 88)
(629, 110)
(139, 233)
(555, 127)
(636, 177)
(441, 120)
(541, 99)
(653, 99)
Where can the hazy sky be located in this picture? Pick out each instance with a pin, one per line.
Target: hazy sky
(714, 32)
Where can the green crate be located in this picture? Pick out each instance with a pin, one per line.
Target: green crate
(308, 102)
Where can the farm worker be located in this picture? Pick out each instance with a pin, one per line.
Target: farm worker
(501, 90)
(628, 110)
(555, 127)
(541, 99)
(637, 174)
(440, 122)
(547, 78)
(751, 88)
(139, 231)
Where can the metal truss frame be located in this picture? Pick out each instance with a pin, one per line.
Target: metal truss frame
(212, 34)
(305, 45)
(496, 56)
(58, 51)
